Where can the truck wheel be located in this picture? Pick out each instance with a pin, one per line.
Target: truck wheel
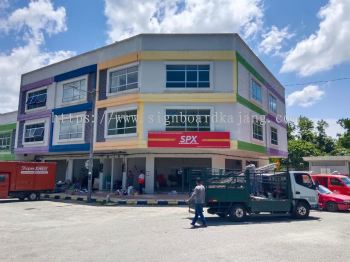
(331, 207)
(32, 197)
(302, 210)
(238, 213)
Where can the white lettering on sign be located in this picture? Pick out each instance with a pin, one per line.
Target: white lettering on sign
(188, 140)
(31, 170)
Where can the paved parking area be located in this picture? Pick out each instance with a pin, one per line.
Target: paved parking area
(55, 231)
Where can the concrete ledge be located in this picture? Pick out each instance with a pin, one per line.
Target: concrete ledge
(121, 202)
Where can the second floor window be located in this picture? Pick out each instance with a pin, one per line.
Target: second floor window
(71, 128)
(5, 141)
(272, 104)
(256, 91)
(188, 76)
(274, 136)
(119, 123)
(74, 91)
(257, 130)
(187, 120)
(123, 79)
(36, 99)
(34, 133)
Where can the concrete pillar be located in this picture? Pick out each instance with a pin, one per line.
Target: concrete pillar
(112, 173)
(218, 162)
(149, 172)
(124, 179)
(69, 170)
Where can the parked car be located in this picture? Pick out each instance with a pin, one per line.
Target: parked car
(332, 202)
(336, 183)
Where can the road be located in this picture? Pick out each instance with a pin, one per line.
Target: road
(55, 231)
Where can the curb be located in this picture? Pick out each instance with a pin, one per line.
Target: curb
(120, 202)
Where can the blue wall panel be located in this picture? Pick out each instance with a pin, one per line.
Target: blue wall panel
(72, 109)
(75, 73)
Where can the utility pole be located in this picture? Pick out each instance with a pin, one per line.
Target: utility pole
(91, 152)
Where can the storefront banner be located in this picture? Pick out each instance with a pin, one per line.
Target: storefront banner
(182, 139)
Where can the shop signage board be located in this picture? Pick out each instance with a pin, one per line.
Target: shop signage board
(184, 139)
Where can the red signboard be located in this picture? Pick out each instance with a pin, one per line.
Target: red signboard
(178, 139)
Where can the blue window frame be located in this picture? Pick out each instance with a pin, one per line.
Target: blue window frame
(272, 104)
(36, 99)
(256, 91)
(34, 133)
(188, 76)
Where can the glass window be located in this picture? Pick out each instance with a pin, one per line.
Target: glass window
(272, 104)
(256, 91)
(303, 180)
(187, 76)
(121, 122)
(5, 141)
(346, 180)
(74, 91)
(71, 128)
(36, 99)
(124, 79)
(2, 178)
(187, 120)
(274, 136)
(34, 133)
(336, 182)
(257, 130)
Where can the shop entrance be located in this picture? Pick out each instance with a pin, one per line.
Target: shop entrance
(171, 174)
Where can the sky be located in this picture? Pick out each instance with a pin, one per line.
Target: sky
(305, 44)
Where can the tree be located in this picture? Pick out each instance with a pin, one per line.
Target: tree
(291, 130)
(344, 139)
(306, 129)
(297, 149)
(323, 142)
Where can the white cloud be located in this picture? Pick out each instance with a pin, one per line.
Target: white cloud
(306, 97)
(273, 40)
(31, 24)
(129, 17)
(327, 47)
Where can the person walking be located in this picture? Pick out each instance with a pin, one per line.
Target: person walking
(141, 181)
(198, 196)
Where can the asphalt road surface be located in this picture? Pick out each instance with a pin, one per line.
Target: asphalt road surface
(55, 231)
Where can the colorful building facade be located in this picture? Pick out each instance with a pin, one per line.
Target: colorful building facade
(7, 136)
(164, 103)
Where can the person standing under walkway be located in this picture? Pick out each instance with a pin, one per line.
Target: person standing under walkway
(141, 181)
(198, 196)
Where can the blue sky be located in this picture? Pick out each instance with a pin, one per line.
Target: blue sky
(299, 41)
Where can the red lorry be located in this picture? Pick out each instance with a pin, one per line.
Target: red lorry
(26, 179)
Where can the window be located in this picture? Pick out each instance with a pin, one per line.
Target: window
(256, 91)
(2, 178)
(187, 120)
(303, 180)
(71, 128)
(5, 141)
(34, 133)
(335, 182)
(121, 122)
(36, 99)
(274, 136)
(255, 163)
(272, 104)
(346, 181)
(257, 130)
(123, 79)
(74, 91)
(187, 76)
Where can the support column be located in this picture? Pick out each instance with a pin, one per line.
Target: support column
(69, 170)
(124, 179)
(112, 173)
(149, 172)
(218, 162)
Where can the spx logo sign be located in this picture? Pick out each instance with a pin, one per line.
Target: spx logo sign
(188, 140)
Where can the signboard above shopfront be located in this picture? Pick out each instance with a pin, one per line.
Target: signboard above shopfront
(182, 139)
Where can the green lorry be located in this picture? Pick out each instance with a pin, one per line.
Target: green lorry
(237, 194)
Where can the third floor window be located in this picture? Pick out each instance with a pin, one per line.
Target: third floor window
(36, 99)
(74, 91)
(123, 79)
(188, 76)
